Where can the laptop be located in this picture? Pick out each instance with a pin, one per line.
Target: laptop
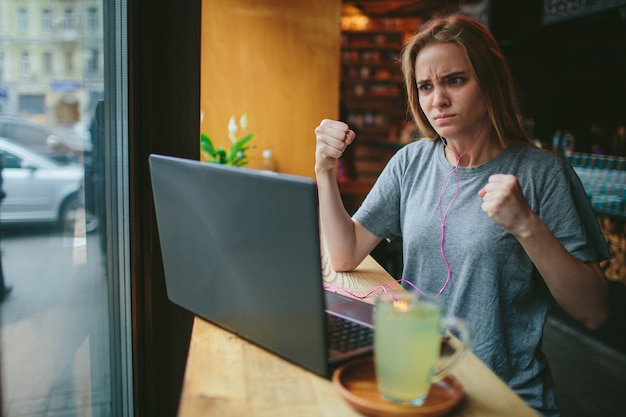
(241, 249)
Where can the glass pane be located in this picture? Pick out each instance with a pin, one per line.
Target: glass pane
(62, 324)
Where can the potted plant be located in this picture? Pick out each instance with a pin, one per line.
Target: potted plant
(235, 155)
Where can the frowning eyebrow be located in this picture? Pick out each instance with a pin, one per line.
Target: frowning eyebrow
(445, 77)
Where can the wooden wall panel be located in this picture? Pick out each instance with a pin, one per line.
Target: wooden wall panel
(278, 61)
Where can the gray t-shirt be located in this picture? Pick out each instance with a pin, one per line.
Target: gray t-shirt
(493, 285)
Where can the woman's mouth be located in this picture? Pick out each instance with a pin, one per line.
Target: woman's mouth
(443, 118)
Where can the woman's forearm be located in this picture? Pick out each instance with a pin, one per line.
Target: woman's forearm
(347, 241)
(336, 224)
(579, 288)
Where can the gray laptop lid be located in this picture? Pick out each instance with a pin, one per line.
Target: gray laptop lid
(241, 249)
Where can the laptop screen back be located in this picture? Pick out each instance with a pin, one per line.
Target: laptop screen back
(241, 249)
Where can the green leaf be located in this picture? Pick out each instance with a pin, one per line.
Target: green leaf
(207, 148)
(236, 154)
(207, 143)
(240, 144)
(220, 156)
(245, 139)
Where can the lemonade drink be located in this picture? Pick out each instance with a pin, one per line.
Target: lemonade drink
(407, 343)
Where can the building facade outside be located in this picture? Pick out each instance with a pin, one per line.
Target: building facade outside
(51, 59)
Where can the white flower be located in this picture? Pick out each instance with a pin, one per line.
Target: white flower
(232, 129)
(243, 121)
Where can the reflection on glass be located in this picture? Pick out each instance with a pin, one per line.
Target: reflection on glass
(54, 308)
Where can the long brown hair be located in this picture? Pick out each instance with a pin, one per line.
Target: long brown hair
(487, 64)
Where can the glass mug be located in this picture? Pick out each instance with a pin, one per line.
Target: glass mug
(408, 330)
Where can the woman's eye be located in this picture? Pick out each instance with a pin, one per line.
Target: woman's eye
(456, 80)
(424, 87)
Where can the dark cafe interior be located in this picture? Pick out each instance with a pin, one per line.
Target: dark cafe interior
(266, 73)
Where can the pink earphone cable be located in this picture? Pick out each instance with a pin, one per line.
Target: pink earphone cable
(443, 215)
(380, 288)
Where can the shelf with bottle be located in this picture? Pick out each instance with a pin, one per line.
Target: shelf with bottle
(375, 113)
(371, 39)
(381, 71)
(362, 23)
(367, 81)
(371, 65)
(372, 92)
(370, 57)
(372, 89)
(391, 104)
(371, 119)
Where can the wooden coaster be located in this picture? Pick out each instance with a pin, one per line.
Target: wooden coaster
(356, 383)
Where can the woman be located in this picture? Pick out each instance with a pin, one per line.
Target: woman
(494, 225)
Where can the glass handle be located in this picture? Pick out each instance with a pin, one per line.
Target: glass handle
(459, 346)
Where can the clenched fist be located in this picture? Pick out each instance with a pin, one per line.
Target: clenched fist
(332, 138)
(505, 204)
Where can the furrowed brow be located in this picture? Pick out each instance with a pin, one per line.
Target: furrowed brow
(455, 74)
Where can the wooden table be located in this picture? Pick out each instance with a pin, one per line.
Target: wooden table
(227, 376)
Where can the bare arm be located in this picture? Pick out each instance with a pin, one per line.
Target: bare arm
(580, 288)
(347, 241)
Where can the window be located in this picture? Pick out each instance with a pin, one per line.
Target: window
(93, 21)
(48, 66)
(24, 64)
(31, 104)
(69, 62)
(46, 20)
(91, 58)
(22, 20)
(66, 332)
(68, 19)
(10, 160)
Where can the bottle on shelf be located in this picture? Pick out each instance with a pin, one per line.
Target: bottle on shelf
(268, 160)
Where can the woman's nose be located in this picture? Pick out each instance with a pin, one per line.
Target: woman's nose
(440, 98)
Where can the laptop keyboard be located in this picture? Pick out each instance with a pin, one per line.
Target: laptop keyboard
(346, 335)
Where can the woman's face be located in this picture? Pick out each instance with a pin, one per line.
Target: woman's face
(449, 95)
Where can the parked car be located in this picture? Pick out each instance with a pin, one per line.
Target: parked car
(40, 189)
(64, 144)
